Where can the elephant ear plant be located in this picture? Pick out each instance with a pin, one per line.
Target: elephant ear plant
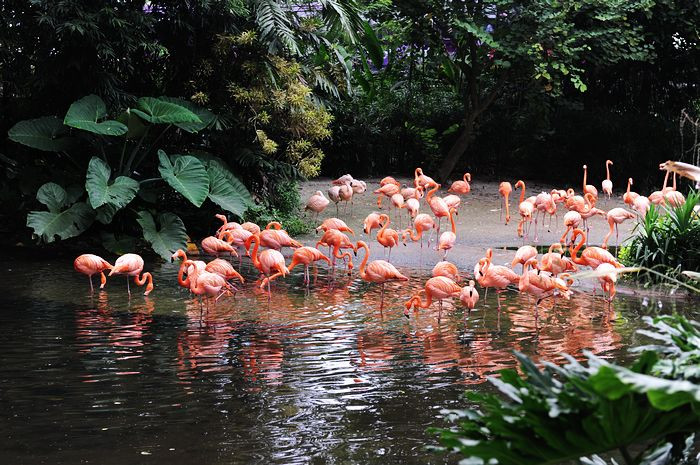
(121, 169)
(646, 414)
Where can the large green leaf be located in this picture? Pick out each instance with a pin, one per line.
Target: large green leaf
(53, 196)
(65, 224)
(101, 192)
(136, 126)
(158, 111)
(46, 133)
(373, 46)
(187, 175)
(206, 117)
(226, 190)
(86, 114)
(117, 245)
(168, 238)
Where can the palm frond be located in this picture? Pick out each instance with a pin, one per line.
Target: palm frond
(275, 26)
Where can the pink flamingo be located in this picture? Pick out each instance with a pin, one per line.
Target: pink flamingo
(436, 288)
(591, 256)
(131, 264)
(421, 179)
(505, 189)
(607, 183)
(270, 262)
(378, 271)
(572, 220)
(461, 187)
(523, 254)
(372, 221)
(437, 205)
(317, 203)
(469, 295)
(496, 276)
(615, 217)
(629, 196)
(306, 256)
(448, 270)
(215, 246)
(89, 264)
(588, 188)
(525, 208)
(335, 223)
(421, 223)
(448, 238)
(387, 237)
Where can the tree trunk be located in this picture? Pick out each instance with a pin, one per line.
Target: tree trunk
(458, 148)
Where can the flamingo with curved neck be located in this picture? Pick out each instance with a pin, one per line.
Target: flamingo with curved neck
(387, 237)
(591, 256)
(378, 271)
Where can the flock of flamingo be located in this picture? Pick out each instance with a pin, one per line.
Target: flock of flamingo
(548, 276)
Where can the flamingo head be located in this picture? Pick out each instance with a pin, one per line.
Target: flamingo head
(520, 184)
(221, 217)
(179, 254)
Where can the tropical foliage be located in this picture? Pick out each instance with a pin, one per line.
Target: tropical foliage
(666, 241)
(645, 414)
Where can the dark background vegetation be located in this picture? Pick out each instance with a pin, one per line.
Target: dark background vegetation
(371, 87)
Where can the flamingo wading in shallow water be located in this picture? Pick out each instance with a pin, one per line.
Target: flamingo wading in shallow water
(131, 264)
(89, 264)
(436, 288)
(378, 271)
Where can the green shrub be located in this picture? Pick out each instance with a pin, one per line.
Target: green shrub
(666, 241)
(282, 206)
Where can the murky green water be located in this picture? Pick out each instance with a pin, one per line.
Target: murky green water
(318, 376)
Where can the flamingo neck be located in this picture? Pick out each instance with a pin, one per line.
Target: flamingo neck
(364, 261)
(665, 181)
(574, 252)
(674, 180)
(432, 191)
(607, 169)
(142, 280)
(452, 220)
(416, 300)
(629, 185)
(522, 193)
(585, 174)
(180, 273)
(382, 231)
(464, 178)
(254, 254)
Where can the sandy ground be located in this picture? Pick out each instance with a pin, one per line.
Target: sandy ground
(478, 224)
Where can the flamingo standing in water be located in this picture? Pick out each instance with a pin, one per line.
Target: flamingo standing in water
(448, 270)
(336, 240)
(215, 246)
(607, 279)
(334, 196)
(274, 237)
(189, 270)
(237, 237)
(317, 203)
(387, 237)
(496, 276)
(505, 189)
(89, 264)
(539, 285)
(378, 271)
(607, 183)
(223, 269)
(555, 262)
(448, 238)
(469, 295)
(207, 284)
(131, 264)
(436, 288)
(525, 207)
(615, 217)
(306, 256)
(461, 187)
(270, 262)
(421, 223)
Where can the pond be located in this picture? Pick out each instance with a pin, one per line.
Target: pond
(309, 376)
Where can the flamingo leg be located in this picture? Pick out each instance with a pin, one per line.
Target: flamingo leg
(128, 288)
(92, 289)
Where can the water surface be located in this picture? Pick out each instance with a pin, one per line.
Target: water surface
(309, 376)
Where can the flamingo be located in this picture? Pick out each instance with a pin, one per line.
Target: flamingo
(412, 192)
(421, 223)
(555, 262)
(276, 238)
(306, 256)
(335, 223)
(448, 238)
(251, 227)
(206, 283)
(496, 276)
(412, 205)
(131, 264)
(544, 203)
(629, 196)
(336, 240)
(236, 237)
(227, 226)
(317, 203)
(89, 264)
(572, 220)
(388, 190)
(346, 178)
(421, 179)
(190, 270)
(387, 237)
(334, 195)
(684, 169)
(525, 208)
(215, 246)
(607, 279)
(270, 262)
(540, 285)
(588, 188)
(505, 189)
(461, 187)
(641, 205)
(358, 187)
(223, 269)
(469, 295)
(615, 217)
(378, 271)
(523, 254)
(437, 205)
(372, 221)
(398, 202)
(346, 192)
(388, 180)
(452, 201)
(436, 288)
(657, 197)
(591, 256)
(673, 197)
(607, 183)
(447, 269)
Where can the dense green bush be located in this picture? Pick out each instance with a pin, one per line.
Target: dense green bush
(666, 241)
(646, 414)
(282, 206)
